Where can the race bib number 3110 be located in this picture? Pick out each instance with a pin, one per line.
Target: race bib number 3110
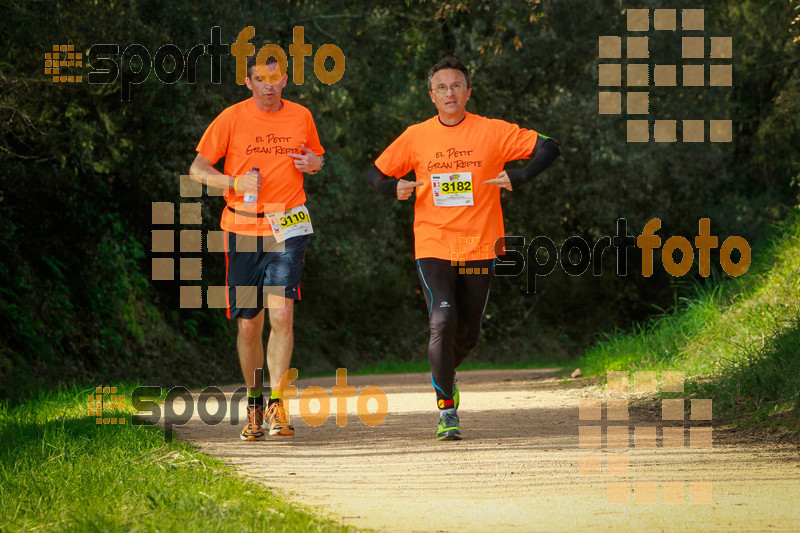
(291, 223)
(452, 190)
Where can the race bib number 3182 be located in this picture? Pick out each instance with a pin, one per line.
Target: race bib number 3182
(452, 190)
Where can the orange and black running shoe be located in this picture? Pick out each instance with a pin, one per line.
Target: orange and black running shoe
(278, 421)
(254, 428)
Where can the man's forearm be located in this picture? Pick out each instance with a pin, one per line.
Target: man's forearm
(543, 156)
(210, 176)
(382, 183)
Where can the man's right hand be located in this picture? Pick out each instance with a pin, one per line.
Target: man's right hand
(250, 182)
(405, 188)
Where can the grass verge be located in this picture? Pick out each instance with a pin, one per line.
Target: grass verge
(60, 471)
(737, 340)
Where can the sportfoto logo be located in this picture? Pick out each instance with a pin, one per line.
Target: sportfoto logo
(576, 254)
(212, 405)
(169, 63)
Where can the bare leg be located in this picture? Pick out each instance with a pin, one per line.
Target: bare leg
(251, 348)
(281, 340)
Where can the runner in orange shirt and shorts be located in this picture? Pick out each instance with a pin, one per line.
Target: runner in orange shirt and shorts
(458, 161)
(268, 143)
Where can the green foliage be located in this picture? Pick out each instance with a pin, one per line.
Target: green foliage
(761, 385)
(737, 341)
(79, 170)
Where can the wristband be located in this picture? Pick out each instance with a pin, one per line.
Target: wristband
(321, 166)
(235, 182)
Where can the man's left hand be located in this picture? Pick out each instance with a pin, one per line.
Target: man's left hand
(501, 181)
(307, 161)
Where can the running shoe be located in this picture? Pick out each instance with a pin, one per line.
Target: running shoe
(278, 421)
(448, 427)
(254, 428)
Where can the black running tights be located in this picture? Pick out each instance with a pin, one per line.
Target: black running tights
(456, 298)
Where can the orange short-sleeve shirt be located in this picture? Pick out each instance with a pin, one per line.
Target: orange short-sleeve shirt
(249, 138)
(477, 145)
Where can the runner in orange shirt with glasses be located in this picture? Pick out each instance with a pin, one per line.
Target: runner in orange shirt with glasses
(458, 161)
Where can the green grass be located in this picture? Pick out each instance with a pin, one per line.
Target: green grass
(737, 340)
(60, 471)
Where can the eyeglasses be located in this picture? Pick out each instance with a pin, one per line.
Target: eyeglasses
(456, 87)
(271, 79)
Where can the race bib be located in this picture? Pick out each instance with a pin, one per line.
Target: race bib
(452, 190)
(286, 224)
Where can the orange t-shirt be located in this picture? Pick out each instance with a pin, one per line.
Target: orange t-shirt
(249, 138)
(478, 146)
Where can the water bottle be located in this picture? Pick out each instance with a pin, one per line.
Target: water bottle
(251, 197)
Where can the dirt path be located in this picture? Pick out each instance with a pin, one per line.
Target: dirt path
(517, 468)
